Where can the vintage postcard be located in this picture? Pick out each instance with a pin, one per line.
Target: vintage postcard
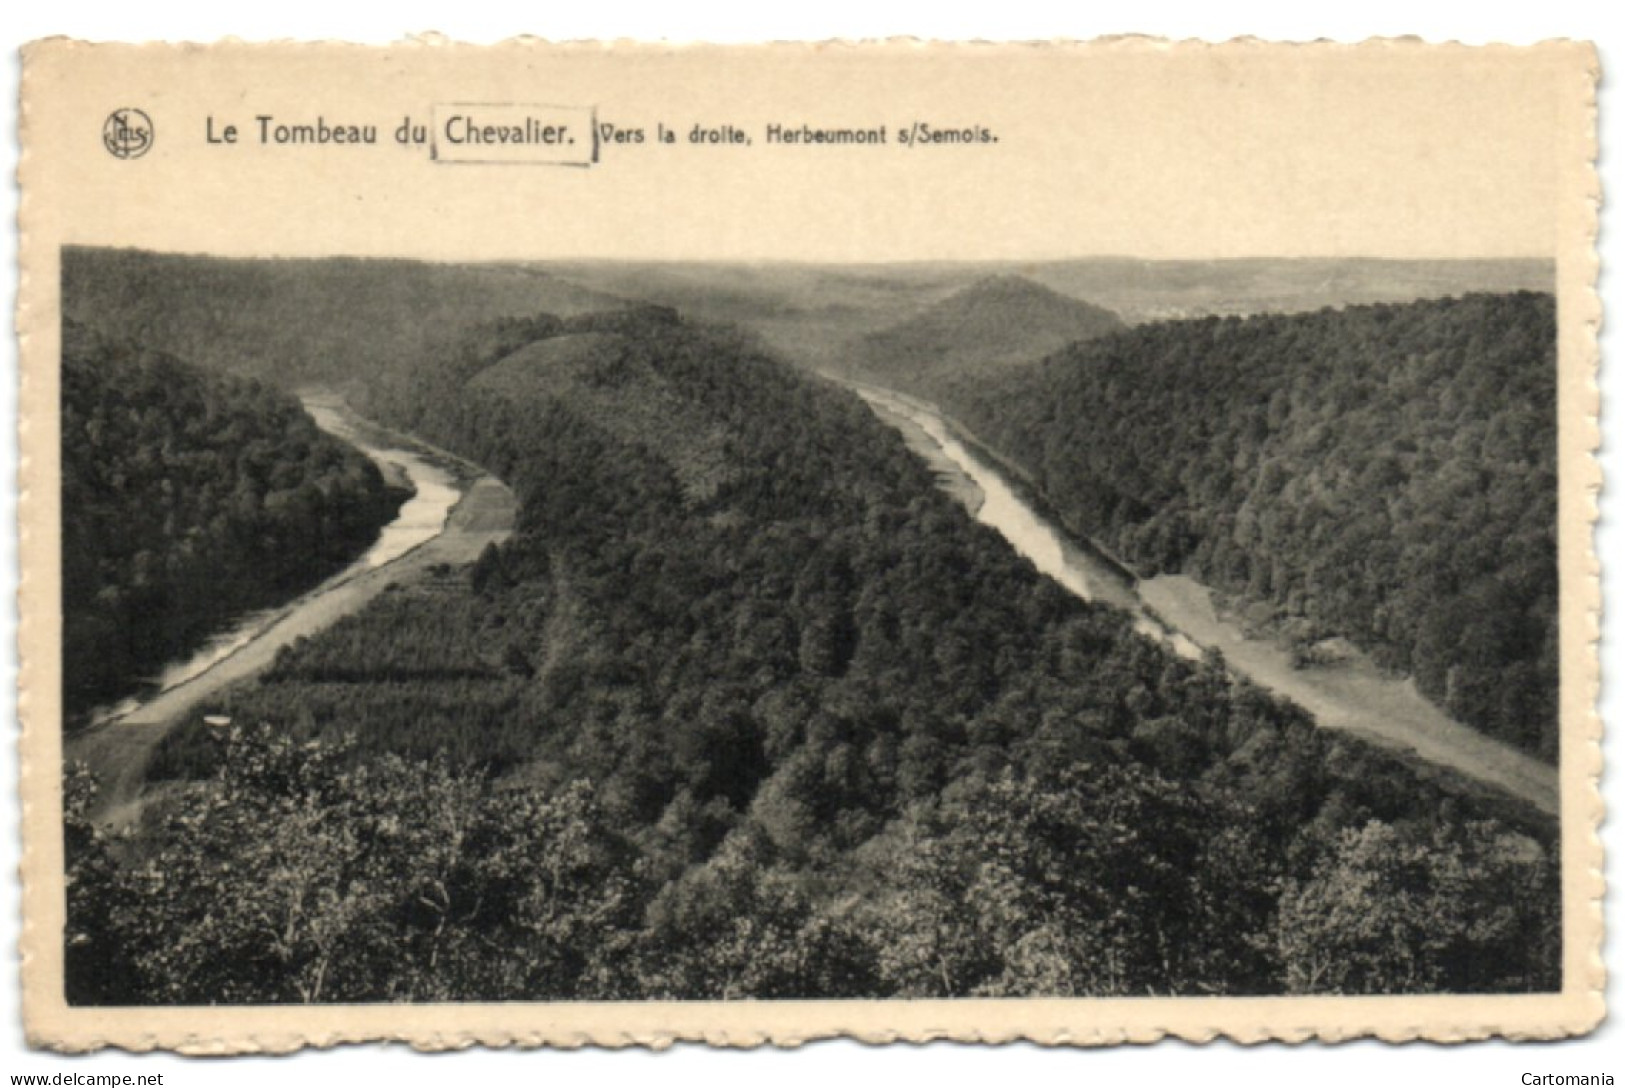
(609, 544)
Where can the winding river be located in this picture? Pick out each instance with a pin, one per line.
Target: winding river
(993, 502)
(449, 520)
(420, 519)
(1353, 695)
(453, 514)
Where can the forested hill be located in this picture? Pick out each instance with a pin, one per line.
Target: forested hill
(291, 321)
(1387, 473)
(976, 333)
(188, 498)
(748, 708)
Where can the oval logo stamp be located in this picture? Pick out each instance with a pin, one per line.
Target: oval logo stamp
(127, 133)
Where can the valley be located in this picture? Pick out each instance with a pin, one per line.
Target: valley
(1351, 695)
(749, 683)
(454, 514)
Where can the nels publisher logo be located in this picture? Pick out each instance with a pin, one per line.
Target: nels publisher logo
(127, 134)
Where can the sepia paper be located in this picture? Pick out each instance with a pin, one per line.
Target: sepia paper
(747, 186)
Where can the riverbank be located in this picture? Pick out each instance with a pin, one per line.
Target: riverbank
(1015, 477)
(957, 484)
(1351, 695)
(454, 519)
(1355, 696)
(1003, 506)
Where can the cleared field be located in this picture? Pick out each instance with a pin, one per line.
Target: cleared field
(118, 751)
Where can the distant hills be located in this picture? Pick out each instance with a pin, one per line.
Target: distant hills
(1142, 291)
(812, 313)
(977, 333)
(317, 320)
(292, 321)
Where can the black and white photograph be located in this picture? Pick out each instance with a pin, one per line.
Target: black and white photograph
(861, 592)
(533, 632)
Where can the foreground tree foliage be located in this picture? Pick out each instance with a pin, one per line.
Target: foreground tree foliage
(1386, 473)
(189, 498)
(747, 708)
(1394, 907)
(296, 875)
(1102, 881)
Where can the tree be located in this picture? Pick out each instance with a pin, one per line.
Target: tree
(1099, 881)
(1389, 911)
(296, 876)
(97, 968)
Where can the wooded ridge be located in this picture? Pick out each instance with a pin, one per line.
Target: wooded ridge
(748, 708)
